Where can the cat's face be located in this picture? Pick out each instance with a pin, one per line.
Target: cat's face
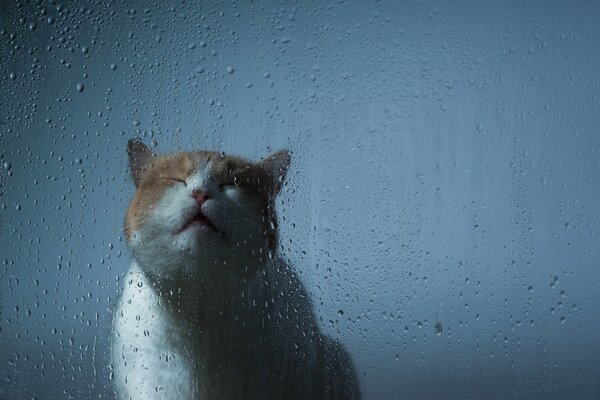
(196, 211)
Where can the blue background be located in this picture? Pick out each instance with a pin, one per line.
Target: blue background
(441, 208)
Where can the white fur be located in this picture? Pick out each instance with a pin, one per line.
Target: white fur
(147, 360)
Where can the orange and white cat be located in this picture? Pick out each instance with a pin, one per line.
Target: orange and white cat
(209, 310)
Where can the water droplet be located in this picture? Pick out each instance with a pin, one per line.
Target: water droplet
(7, 166)
(438, 328)
(80, 87)
(230, 70)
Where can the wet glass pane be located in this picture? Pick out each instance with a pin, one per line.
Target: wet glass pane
(414, 213)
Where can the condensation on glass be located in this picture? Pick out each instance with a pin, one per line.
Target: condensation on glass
(441, 208)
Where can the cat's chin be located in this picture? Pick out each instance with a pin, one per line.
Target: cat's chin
(199, 238)
(199, 220)
(200, 228)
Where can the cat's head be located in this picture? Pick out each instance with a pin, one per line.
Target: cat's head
(195, 212)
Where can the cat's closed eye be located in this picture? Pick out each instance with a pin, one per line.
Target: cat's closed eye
(176, 180)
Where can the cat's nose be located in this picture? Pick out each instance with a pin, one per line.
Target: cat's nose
(200, 196)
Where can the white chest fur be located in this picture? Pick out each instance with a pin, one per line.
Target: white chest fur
(147, 358)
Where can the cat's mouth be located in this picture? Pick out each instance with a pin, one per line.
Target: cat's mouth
(198, 219)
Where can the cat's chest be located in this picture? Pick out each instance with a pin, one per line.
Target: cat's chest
(164, 348)
(150, 352)
(160, 352)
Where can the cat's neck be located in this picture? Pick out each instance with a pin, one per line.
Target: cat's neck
(207, 300)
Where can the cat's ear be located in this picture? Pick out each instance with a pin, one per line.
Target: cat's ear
(276, 165)
(139, 157)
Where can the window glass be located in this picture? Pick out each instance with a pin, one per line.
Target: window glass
(440, 209)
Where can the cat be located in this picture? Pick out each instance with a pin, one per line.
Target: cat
(209, 310)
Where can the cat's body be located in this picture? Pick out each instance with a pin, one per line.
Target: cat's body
(209, 311)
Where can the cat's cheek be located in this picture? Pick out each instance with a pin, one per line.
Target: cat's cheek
(173, 209)
(136, 239)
